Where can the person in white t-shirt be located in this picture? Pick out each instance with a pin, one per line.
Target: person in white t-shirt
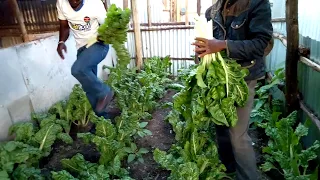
(83, 18)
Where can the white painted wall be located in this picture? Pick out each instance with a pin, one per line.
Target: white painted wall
(33, 77)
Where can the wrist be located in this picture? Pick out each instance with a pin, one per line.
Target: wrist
(222, 44)
(60, 42)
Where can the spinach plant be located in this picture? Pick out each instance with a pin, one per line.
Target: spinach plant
(285, 152)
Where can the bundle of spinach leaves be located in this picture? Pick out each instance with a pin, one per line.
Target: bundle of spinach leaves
(211, 92)
(114, 31)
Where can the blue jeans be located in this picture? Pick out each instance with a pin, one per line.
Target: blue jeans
(85, 70)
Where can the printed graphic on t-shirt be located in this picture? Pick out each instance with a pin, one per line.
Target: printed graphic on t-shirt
(82, 27)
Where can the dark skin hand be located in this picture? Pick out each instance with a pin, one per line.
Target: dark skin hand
(63, 36)
(208, 46)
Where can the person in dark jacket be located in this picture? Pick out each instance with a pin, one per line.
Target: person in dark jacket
(243, 29)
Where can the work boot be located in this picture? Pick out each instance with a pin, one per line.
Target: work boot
(103, 102)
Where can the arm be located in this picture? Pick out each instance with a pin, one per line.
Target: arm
(63, 36)
(63, 31)
(260, 32)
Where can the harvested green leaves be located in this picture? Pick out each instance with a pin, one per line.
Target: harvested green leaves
(114, 31)
(214, 88)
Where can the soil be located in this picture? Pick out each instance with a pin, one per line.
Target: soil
(161, 138)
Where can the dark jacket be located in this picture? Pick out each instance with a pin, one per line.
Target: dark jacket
(247, 27)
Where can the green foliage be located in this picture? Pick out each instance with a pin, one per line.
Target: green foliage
(23, 172)
(114, 31)
(269, 99)
(285, 152)
(213, 90)
(62, 175)
(14, 152)
(210, 94)
(50, 129)
(77, 109)
(134, 153)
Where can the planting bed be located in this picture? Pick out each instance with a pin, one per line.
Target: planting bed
(162, 137)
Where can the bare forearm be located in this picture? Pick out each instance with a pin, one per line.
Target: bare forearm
(64, 30)
(63, 34)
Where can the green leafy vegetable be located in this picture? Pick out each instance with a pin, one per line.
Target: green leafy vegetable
(62, 175)
(284, 150)
(114, 31)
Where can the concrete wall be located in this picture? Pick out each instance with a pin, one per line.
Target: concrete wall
(33, 77)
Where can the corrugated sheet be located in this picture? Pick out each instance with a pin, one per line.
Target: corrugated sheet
(308, 79)
(277, 57)
(174, 41)
(157, 8)
(309, 26)
(309, 86)
(278, 7)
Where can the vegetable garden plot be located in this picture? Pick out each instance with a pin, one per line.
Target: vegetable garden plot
(161, 128)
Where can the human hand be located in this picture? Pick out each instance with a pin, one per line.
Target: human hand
(208, 46)
(60, 48)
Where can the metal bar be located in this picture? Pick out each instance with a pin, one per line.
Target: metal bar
(164, 29)
(163, 24)
(278, 20)
(281, 37)
(311, 115)
(310, 63)
(172, 58)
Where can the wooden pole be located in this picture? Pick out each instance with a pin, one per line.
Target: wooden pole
(173, 8)
(107, 4)
(187, 13)
(292, 56)
(137, 33)
(19, 16)
(149, 13)
(125, 4)
(199, 7)
(178, 8)
(199, 13)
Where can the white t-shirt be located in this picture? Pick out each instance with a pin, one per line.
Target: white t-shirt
(85, 22)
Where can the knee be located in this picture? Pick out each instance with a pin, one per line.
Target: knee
(241, 142)
(76, 70)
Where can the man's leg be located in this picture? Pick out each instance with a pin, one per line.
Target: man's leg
(225, 148)
(246, 167)
(84, 70)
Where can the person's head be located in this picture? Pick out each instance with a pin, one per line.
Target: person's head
(75, 3)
